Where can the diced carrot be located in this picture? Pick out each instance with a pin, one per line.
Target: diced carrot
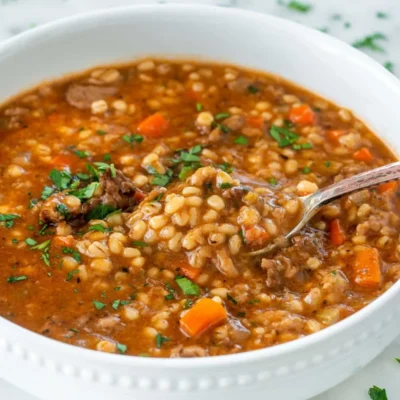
(190, 272)
(60, 241)
(302, 115)
(389, 187)
(336, 233)
(255, 235)
(333, 135)
(205, 314)
(63, 160)
(255, 121)
(367, 268)
(153, 126)
(363, 155)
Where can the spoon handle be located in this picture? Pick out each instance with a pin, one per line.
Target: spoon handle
(364, 180)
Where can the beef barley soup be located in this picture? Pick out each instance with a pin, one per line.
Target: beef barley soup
(129, 197)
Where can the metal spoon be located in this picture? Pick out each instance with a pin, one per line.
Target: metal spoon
(312, 203)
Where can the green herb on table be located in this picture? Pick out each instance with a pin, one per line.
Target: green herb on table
(14, 279)
(187, 286)
(389, 66)
(296, 6)
(382, 15)
(369, 42)
(283, 136)
(160, 340)
(376, 393)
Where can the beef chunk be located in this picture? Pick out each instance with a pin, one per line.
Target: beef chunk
(82, 96)
(119, 193)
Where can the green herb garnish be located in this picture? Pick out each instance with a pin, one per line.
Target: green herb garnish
(369, 42)
(81, 154)
(8, 219)
(188, 304)
(199, 107)
(242, 140)
(187, 286)
(253, 89)
(225, 185)
(98, 305)
(231, 299)
(302, 146)
(306, 170)
(101, 132)
(283, 136)
(225, 167)
(73, 253)
(122, 348)
(222, 115)
(100, 212)
(160, 340)
(61, 179)
(377, 393)
(30, 242)
(99, 228)
(85, 193)
(71, 274)
(13, 279)
(132, 139)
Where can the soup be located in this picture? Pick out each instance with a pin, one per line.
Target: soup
(131, 197)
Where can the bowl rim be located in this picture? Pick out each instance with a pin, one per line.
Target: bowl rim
(375, 70)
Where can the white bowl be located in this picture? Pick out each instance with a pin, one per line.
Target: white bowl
(291, 371)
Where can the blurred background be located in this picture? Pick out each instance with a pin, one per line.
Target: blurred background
(371, 25)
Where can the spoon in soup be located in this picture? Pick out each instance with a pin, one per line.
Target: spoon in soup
(312, 203)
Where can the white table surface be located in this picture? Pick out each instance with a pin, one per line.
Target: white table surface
(333, 15)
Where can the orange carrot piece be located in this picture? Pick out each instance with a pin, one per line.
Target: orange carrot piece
(363, 155)
(255, 122)
(153, 126)
(205, 314)
(389, 187)
(60, 241)
(367, 268)
(255, 235)
(336, 233)
(190, 272)
(333, 135)
(302, 115)
(63, 160)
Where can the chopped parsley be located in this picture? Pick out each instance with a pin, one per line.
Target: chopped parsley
(98, 305)
(158, 197)
(397, 359)
(187, 286)
(225, 185)
(306, 170)
(376, 393)
(15, 241)
(99, 228)
(159, 179)
(122, 348)
(241, 314)
(8, 219)
(327, 164)
(139, 244)
(231, 299)
(41, 246)
(61, 179)
(13, 279)
(32, 203)
(283, 136)
(199, 107)
(86, 192)
(169, 296)
(101, 132)
(100, 212)
(225, 167)
(241, 234)
(222, 115)
(46, 192)
(302, 146)
(389, 66)
(242, 140)
(272, 181)
(73, 253)
(63, 210)
(253, 89)
(30, 242)
(382, 15)
(71, 274)
(107, 157)
(132, 139)
(160, 340)
(254, 301)
(188, 304)
(299, 7)
(81, 154)
(369, 42)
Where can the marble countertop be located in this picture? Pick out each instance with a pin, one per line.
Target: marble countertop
(349, 20)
